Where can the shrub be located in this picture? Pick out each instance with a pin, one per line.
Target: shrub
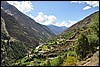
(71, 53)
(70, 60)
(57, 61)
(45, 47)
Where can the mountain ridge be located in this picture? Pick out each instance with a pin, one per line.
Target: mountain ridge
(79, 25)
(56, 30)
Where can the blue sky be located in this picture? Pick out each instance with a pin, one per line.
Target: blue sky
(59, 13)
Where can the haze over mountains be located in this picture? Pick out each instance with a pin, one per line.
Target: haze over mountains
(56, 30)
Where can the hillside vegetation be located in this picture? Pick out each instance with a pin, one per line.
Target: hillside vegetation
(73, 47)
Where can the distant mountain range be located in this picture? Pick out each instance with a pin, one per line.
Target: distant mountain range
(56, 30)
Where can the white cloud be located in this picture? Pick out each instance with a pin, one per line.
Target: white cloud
(51, 19)
(40, 17)
(23, 6)
(70, 23)
(44, 19)
(65, 23)
(76, 2)
(90, 4)
(31, 16)
(87, 7)
(93, 3)
(97, 10)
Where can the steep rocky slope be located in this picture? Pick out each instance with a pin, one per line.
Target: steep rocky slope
(28, 27)
(19, 34)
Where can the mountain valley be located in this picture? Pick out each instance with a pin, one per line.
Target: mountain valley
(24, 42)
